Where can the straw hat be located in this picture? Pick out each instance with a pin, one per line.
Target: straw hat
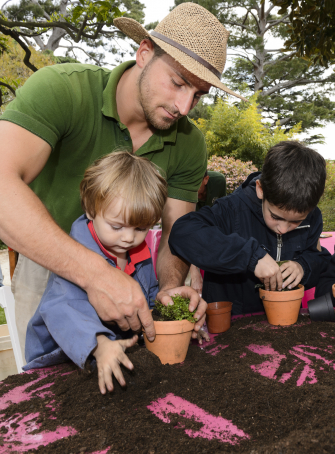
(192, 36)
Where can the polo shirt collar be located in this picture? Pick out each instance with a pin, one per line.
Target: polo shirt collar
(109, 109)
(136, 255)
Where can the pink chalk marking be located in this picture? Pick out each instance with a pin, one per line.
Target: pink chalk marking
(214, 427)
(326, 335)
(19, 394)
(268, 368)
(243, 355)
(287, 375)
(308, 376)
(214, 351)
(101, 452)
(22, 435)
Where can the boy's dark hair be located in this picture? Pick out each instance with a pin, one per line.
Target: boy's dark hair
(293, 177)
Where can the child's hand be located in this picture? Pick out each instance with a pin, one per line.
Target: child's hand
(292, 273)
(109, 354)
(268, 272)
(202, 335)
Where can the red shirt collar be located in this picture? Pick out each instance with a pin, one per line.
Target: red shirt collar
(136, 255)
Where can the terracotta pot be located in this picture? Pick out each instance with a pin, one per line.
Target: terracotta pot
(171, 341)
(218, 316)
(282, 308)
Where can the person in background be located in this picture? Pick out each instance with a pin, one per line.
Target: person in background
(213, 187)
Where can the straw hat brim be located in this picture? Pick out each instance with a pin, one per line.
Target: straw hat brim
(135, 31)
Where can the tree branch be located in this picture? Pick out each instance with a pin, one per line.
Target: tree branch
(3, 84)
(17, 38)
(294, 83)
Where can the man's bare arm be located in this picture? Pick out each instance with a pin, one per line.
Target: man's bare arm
(27, 227)
(171, 270)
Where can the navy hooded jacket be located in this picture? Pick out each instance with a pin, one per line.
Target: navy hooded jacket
(228, 239)
(65, 325)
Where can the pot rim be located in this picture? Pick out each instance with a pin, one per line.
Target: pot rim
(223, 310)
(275, 295)
(173, 326)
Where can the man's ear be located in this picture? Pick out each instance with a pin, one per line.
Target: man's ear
(259, 190)
(206, 179)
(144, 53)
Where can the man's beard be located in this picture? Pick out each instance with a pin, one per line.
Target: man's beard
(150, 114)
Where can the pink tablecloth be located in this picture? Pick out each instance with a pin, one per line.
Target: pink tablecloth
(328, 243)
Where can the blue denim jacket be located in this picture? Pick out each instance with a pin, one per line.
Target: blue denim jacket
(65, 324)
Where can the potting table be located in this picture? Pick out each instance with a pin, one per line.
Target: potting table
(20, 432)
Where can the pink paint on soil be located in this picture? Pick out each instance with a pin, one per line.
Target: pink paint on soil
(101, 452)
(214, 351)
(21, 438)
(243, 355)
(268, 368)
(214, 427)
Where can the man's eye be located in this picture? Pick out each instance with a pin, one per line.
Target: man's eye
(175, 83)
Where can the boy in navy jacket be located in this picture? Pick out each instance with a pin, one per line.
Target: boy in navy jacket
(123, 195)
(271, 217)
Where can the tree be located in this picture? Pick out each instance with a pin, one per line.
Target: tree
(312, 28)
(290, 89)
(46, 22)
(240, 132)
(13, 71)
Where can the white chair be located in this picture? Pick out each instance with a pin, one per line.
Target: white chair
(7, 302)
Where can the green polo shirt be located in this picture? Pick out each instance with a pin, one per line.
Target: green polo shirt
(73, 108)
(215, 188)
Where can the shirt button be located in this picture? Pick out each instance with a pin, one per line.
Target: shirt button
(126, 138)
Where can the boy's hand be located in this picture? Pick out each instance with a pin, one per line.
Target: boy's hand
(268, 272)
(292, 273)
(109, 354)
(203, 335)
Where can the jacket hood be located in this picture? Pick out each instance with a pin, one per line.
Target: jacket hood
(247, 193)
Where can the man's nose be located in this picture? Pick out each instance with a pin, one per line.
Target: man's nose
(184, 103)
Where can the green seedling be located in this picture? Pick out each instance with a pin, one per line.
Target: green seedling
(179, 310)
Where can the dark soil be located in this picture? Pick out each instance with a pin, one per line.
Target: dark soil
(278, 415)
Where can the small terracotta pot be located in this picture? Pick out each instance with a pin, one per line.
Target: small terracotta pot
(282, 308)
(218, 316)
(171, 341)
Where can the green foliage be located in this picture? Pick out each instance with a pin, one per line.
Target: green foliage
(292, 90)
(234, 170)
(179, 310)
(47, 21)
(2, 317)
(14, 72)
(312, 28)
(239, 132)
(2, 245)
(327, 202)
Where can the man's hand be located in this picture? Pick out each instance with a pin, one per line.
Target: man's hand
(268, 272)
(196, 279)
(196, 302)
(292, 273)
(109, 354)
(118, 297)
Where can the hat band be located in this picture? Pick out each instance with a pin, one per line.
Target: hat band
(188, 52)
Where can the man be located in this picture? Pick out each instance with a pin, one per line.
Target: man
(65, 117)
(213, 187)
